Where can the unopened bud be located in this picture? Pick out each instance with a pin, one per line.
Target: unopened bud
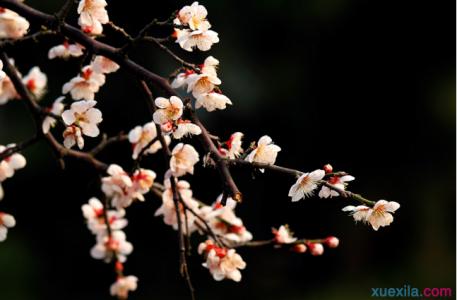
(299, 248)
(332, 242)
(316, 249)
(328, 168)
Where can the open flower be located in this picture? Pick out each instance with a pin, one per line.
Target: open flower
(339, 182)
(73, 136)
(184, 128)
(7, 89)
(141, 136)
(12, 25)
(167, 110)
(84, 115)
(36, 82)
(2, 74)
(94, 214)
(378, 216)
(109, 246)
(201, 39)
(92, 14)
(123, 286)
(117, 186)
(283, 235)
(305, 185)
(206, 80)
(265, 152)
(222, 263)
(104, 65)
(10, 164)
(56, 109)
(212, 101)
(183, 159)
(85, 85)
(65, 51)
(142, 181)
(194, 16)
(6, 221)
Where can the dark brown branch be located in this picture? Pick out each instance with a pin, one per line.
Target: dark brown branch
(106, 141)
(19, 147)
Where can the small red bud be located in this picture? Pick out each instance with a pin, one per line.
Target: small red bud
(316, 249)
(332, 242)
(299, 248)
(328, 168)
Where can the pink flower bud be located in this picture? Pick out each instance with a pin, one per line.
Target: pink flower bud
(299, 248)
(316, 248)
(328, 168)
(332, 242)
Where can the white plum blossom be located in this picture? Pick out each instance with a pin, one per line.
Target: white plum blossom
(336, 181)
(7, 90)
(167, 110)
(65, 51)
(234, 145)
(141, 136)
(6, 221)
(2, 74)
(378, 216)
(12, 25)
(193, 16)
(168, 208)
(108, 247)
(94, 214)
(283, 235)
(56, 109)
(265, 152)
(73, 136)
(92, 14)
(206, 80)
(305, 185)
(201, 39)
(117, 186)
(222, 263)
(84, 115)
(123, 285)
(103, 65)
(142, 181)
(36, 82)
(9, 165)
(183, 159)
(184, 128)
(212, 101)
(85, 85)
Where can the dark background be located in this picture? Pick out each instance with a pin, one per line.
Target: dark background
(367, 86)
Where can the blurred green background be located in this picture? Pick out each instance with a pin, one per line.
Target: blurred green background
(368, 86)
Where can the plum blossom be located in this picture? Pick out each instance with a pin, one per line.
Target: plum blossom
(167, 110)
(378, 216)
(117, 186)
(56, 109)
(108, 247)
(265, 152)
(234, 145)
(183, 159)
(103, 65)
(12, 25)
(193, 16)
(6, 221)
(141, 136)
(2, 74)
(339, 182)
(73, 136)
(65, 51)
(184, 128)
(94, 214)
(222, 263)
(168, 208)
(10, 164)
(84, 115)
(283, 235)
(201, 39)
(225, 223)
(305, 185)
(36, 82)
(7, 90)
(142, 181)
(85, 85)
(92, 14)
(206, 80)
(212, 101)
(123, 285)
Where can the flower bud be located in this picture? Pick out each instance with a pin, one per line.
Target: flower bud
(328, 168)
(332, 242)
(299, 248)
(316, 249)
